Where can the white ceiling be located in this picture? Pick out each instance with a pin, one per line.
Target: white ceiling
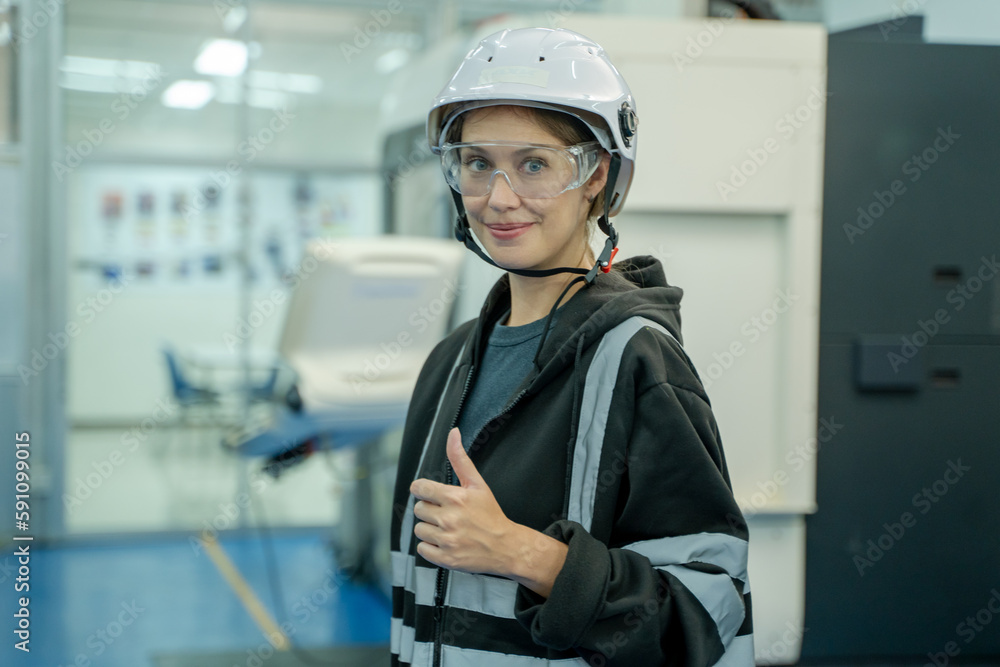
(302, 39)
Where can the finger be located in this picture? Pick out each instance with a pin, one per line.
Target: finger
(426, 511)
(425, 489)
(460, 461)
(431, 553)
(425, 532)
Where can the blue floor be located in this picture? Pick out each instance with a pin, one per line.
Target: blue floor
(116, 605)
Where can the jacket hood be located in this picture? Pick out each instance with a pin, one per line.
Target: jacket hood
(637, 286)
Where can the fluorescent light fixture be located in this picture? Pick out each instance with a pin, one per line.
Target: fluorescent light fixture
(293, 83)
(222, 57)
(88, 83)
(105, 75)
(187, 94)
(391, 60)
(108, 67)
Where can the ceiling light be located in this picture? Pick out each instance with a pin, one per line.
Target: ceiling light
(88, 83)
(108, 67)
(187, 94)
(293, 83)
(222, 57)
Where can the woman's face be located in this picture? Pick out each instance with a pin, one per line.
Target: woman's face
(522, 233)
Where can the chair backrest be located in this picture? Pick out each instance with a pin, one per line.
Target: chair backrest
(178, 382)
(364, 314)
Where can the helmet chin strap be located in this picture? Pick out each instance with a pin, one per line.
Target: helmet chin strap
(464, 234)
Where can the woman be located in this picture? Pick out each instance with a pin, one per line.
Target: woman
(562, 494)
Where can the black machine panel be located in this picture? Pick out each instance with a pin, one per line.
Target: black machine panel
(903, 555)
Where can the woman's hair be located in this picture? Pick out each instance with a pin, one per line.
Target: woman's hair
(564, 127)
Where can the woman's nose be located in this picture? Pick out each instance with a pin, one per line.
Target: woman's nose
(502, 195)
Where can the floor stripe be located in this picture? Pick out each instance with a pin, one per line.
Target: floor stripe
(246, 595)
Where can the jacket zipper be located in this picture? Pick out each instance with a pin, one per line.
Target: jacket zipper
(495, 417)
(442, 573)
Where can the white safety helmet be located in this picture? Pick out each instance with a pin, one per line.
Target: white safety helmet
(545, 68)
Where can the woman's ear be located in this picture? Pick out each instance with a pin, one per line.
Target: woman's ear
(599, 178)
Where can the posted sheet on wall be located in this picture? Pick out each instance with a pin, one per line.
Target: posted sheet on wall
(179, 227)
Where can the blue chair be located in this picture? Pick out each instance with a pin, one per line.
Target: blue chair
(185, 393)
(267, 390)
(188, 397)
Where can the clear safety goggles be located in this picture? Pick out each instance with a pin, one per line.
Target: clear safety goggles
(533, 171)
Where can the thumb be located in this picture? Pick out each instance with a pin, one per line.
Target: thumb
(460, 461)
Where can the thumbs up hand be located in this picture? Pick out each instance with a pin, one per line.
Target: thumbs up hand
(462, 527)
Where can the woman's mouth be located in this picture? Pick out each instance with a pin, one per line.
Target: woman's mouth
(509, 230)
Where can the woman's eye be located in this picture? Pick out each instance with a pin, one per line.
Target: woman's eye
(534, 166)
(476, 164)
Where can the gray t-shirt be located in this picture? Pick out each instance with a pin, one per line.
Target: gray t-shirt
(507, 360)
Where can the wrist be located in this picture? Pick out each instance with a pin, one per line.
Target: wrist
(536, 560)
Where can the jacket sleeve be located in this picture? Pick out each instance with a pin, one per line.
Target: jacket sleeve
(672, 589)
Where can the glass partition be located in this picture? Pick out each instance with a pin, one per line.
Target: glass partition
(8, 69)
(205, 146)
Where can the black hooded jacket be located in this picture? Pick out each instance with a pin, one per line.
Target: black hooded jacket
(611, 448)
